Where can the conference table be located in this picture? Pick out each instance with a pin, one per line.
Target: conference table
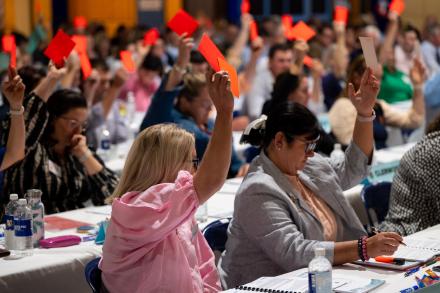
(62, 269)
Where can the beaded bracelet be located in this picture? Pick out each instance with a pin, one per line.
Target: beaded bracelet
(366, 119)
(362, 248)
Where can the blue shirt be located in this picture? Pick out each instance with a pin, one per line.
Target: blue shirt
(162, 110)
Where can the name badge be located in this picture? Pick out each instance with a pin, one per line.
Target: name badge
(54, 168)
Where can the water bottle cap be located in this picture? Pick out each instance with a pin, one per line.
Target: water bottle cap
(22, 201)
(13, 196)
(34, 193)
(337, 146)
(319, 251)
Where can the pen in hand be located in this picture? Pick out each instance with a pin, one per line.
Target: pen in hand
(376, 231)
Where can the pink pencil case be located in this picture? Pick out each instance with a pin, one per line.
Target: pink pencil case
(60, 241)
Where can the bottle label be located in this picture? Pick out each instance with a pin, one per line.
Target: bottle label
(320, 282)
(105, 144)
(9, 222)
(23, 228)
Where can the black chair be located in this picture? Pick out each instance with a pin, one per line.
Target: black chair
(377, 199)
(216, 234)
(93, 275)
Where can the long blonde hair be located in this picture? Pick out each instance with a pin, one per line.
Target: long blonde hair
(158, 153)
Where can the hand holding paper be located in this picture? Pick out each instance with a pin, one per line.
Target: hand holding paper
(225, 66)
(210, 51)
(127, 61)
(341, 14)
(302, 31)
(151, 37)
(59, 48)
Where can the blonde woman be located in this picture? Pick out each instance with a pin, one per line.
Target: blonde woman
(153, 243)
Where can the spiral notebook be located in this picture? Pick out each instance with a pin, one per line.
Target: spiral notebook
(299, 284)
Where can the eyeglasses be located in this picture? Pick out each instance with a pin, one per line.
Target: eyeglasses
(73, 123)
(310, 146)
(195, 162)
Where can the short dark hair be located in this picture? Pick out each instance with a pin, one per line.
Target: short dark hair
(58, 104)
(411, 28)
(278, 47)
(197, 58)
(290, 118)
(153, 63)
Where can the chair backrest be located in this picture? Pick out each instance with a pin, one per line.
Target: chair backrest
(93, 275)
(216, 234)
(377, 198)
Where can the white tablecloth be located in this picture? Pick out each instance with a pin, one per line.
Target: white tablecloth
(394, 280)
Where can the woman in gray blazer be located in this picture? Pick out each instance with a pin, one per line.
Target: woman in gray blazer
(291, 200)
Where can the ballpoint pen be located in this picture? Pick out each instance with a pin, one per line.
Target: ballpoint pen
(376, 231)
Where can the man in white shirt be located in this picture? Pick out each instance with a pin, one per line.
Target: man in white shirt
(280, 60)
(408, 49)
(431, 50)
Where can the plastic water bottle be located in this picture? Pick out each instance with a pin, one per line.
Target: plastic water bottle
(10, 210)
(37, 208)
(131, 113)
(23, 229)
(337, 154)
(105, 144)
(320, 273)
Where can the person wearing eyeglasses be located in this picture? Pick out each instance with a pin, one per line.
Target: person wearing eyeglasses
(292, 199)
(153, 243)
(58, 160)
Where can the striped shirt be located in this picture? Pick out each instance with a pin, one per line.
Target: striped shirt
(64, 181)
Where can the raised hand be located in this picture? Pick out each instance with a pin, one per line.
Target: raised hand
(219, 87)
(185, 47)
(13, 89)
(417, 73)
(365, 97)
(56, 73)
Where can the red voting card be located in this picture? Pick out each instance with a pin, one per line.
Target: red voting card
(341, 14)
(80, 44)
(287, 20)
(80, 22)
(302, 31)
(59, 48)
(182, 22)
(225, 66)
(210, 51)
(8, 43)
(308, 61)
(397, 6)
(13, 56)
(86, 67)
(151, 37)
(253, 30)
(127, 61)
(245, 6)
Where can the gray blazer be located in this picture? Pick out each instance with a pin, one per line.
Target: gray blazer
(274, 231)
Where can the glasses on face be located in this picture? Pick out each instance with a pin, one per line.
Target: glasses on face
(195, 163)
(310, 146)
(74, 124)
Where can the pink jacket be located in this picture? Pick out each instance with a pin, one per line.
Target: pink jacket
(153, 243)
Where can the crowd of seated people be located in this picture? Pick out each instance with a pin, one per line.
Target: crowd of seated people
(291, 197)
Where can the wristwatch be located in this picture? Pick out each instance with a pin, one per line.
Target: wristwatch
(17, 112)
(366, 119)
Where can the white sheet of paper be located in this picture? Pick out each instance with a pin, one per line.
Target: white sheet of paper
(367, 44)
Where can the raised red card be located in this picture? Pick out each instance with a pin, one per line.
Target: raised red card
(225, 66)
(302, 31)
(86, 67)
(151, 37)
(8, 43)
(245, 6)
(182, 22)
(210, 51)
(127, 61)
(397, 6)
(341, 14)
(253, 30)
(287, 20)
(80, 43)
(80, 22)
(59, 48)
(308, 61)
(13, 57)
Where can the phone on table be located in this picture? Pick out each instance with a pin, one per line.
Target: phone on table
(4, 252)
